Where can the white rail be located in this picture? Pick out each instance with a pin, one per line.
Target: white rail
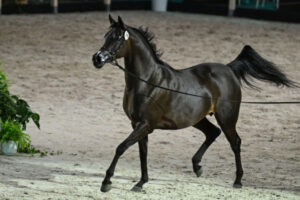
(232, 6)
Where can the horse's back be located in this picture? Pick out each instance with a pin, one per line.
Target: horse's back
(219, 76)
(218, 70)
(216, 77)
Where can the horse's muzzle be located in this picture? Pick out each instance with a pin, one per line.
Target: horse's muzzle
(100, 58)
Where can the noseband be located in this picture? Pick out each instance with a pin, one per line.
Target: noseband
(113, 55)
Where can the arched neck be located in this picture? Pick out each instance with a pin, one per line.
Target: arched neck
(140, 58)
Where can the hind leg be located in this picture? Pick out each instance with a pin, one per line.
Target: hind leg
(211, 132)
(227, 121)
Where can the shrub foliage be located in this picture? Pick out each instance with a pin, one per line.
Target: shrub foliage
(15, 113)
(12, 131)
(14, 108)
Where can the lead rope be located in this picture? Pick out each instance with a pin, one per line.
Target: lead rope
(115, 63)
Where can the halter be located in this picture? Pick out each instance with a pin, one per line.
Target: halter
(112, 55)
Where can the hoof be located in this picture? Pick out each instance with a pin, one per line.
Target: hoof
(136, 189)
(105, 188)
(199, 172)
(237, 185)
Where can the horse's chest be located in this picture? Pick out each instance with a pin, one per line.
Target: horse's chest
(133, 104)
(139, 107)
(128, 104)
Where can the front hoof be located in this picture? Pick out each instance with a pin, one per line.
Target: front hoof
(237, 185)
(136, 189)
(199, 172)
(105, 187)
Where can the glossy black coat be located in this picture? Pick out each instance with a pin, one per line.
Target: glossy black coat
(151, 108)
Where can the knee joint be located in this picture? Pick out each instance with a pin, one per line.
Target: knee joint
(120, 149)
(109, 173)
(240, 173)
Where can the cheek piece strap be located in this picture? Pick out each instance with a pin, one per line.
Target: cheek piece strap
(122, 39)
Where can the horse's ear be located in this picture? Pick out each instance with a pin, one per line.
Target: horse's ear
(111, 20)
(122, 25)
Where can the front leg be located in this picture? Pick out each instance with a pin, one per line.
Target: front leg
(140, 131)
(143, 157)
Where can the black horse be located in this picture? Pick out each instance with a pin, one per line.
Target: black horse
(151, 108)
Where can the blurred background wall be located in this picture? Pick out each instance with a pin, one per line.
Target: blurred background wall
(280, 10)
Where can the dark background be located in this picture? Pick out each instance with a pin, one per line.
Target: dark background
(289, 10)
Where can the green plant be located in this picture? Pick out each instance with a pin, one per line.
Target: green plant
(14, 108)
(3, 81)
(12, 131)
(29, 149)
(24, 113)
(15, 113)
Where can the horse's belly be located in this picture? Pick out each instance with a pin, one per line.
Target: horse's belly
(184, 114)
(167, 112)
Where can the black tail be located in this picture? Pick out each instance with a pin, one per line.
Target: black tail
(250, 63)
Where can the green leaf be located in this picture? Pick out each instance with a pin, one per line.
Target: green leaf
(36, 119)
(14, 108)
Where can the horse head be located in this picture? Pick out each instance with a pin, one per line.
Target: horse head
(115, 45)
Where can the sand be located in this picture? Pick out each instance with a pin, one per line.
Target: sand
(47, 59)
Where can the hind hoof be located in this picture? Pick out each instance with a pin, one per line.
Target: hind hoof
(237, 185)
(105, 188)
(136, 189)
(199, 172)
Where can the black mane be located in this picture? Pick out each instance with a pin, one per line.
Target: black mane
(149, 36)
